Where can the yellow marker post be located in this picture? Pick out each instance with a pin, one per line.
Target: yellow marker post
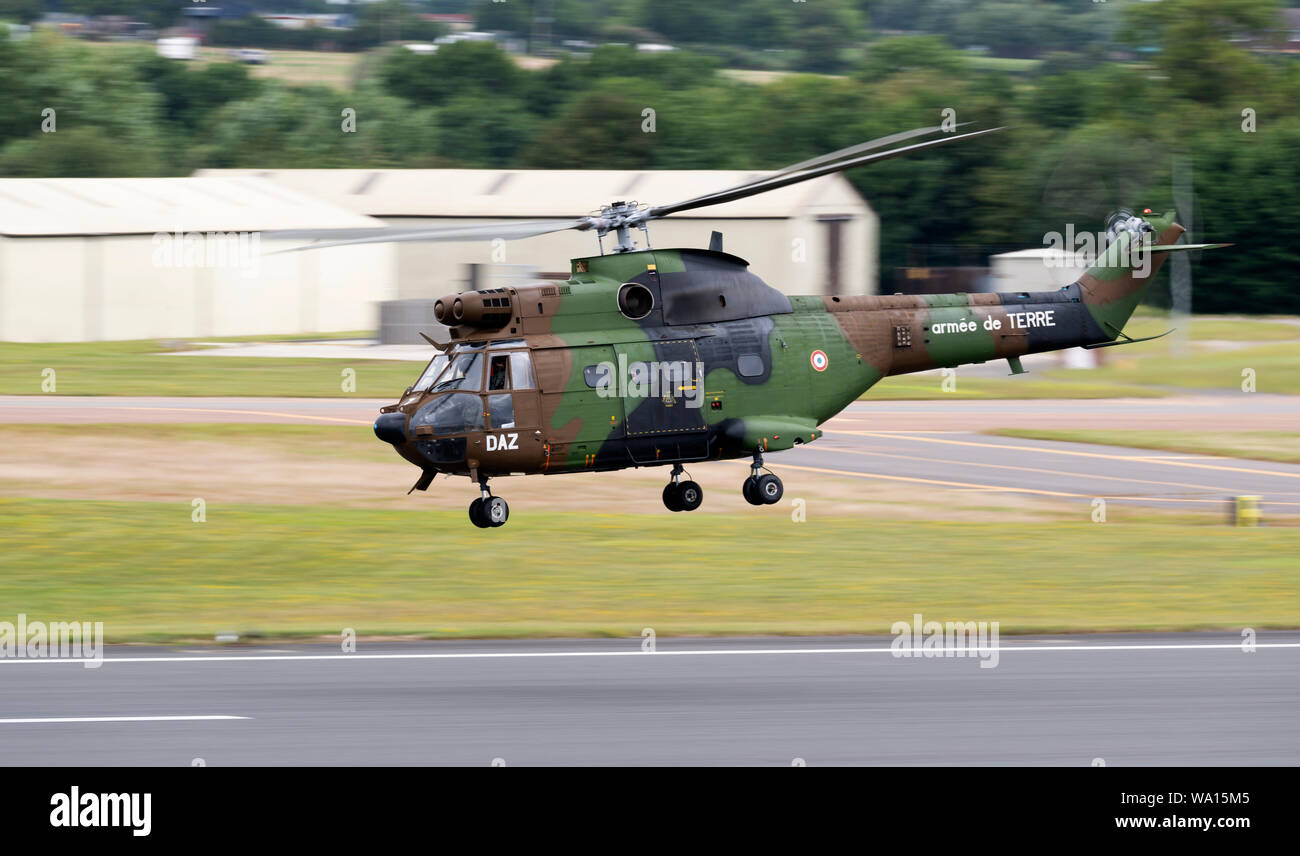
(1246, 510)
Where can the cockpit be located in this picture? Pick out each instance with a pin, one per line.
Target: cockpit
(474, 387)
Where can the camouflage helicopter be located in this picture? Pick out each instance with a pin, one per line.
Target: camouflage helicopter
(650, 357)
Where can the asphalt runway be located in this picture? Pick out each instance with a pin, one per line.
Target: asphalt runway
(928, 444)
(1181, 699)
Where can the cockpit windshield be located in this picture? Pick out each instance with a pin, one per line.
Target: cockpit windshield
(465, 371)
(435, 367)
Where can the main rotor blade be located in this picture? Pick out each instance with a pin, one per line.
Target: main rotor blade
(507, 230)
(860, 147)
(786, 178)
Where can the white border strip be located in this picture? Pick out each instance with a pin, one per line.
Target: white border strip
(115, 719)
(702, 652)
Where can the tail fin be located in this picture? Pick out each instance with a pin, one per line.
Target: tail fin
(1114, 285)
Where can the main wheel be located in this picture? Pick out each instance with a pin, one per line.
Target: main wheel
(750, 491)
(495, 511)
(476, 514)
(689, 495)
(672, 497)
(769, 489)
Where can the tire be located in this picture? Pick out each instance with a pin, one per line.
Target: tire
(750, 491)
(769, 489)
(689, 495)
(476, 514)
(496, 511)
(672, 497)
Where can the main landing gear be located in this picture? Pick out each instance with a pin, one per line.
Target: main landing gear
(682, 495)
(488, 510)
(761, 489)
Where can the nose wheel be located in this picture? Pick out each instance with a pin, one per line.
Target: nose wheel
(488, 511)
(761, 488)
(682, 495)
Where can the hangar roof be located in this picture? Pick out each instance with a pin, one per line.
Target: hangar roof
(133, 206)
(506, 193)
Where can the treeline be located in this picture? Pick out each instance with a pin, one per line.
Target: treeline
(1087, 137)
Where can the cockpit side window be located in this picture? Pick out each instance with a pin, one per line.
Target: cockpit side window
(521, 370)
(498, 371)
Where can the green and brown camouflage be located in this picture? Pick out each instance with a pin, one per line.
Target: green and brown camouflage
(552, 378)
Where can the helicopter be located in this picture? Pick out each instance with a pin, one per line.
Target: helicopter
(663, 357)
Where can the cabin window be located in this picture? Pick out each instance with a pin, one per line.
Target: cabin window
(501, 408)
(597, 375)
(750, 365)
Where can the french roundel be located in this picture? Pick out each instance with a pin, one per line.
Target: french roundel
(819, 360)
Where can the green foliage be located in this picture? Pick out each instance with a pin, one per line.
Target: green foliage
(1090, 134)
(460, 69)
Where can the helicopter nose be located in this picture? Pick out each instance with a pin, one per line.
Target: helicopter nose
(391, 428)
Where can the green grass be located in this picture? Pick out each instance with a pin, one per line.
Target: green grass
(1148, 369)
(1004, 64)
(1276, 366)
(1283, 446)
(1145, 370)
(149, 573)
(1217, 327)
(1033, 385)
(137, 368)
(330, 441)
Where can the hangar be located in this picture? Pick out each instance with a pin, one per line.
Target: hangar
(817, 237)
(92, 259)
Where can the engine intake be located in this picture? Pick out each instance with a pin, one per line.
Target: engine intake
(484, 309)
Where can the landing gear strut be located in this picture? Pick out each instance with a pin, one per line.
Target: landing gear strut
(488, 510)
(682, 495)
(759, 488)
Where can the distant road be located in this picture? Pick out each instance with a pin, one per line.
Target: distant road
(1182, 699)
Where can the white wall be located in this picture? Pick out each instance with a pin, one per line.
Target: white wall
(112, 288)
(434, 270)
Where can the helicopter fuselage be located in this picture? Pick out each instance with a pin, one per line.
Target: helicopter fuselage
(673, 356)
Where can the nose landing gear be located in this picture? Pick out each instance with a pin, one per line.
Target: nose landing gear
(488, 510)
(682, 495)
(761, 489)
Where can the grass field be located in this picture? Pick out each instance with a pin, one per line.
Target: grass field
(304, 68)
(137, 368)
(1149, 369)
(1283, 446)
(149, 573)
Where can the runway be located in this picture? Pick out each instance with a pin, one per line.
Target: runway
(930, 445)
(1225, 412)
(1195, 699)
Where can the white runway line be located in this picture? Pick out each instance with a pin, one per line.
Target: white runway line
(695, 652)
(115, 719)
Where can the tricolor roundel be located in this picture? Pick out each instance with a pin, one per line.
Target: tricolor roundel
(819, 360)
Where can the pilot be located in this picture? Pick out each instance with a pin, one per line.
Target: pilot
(497, 375)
